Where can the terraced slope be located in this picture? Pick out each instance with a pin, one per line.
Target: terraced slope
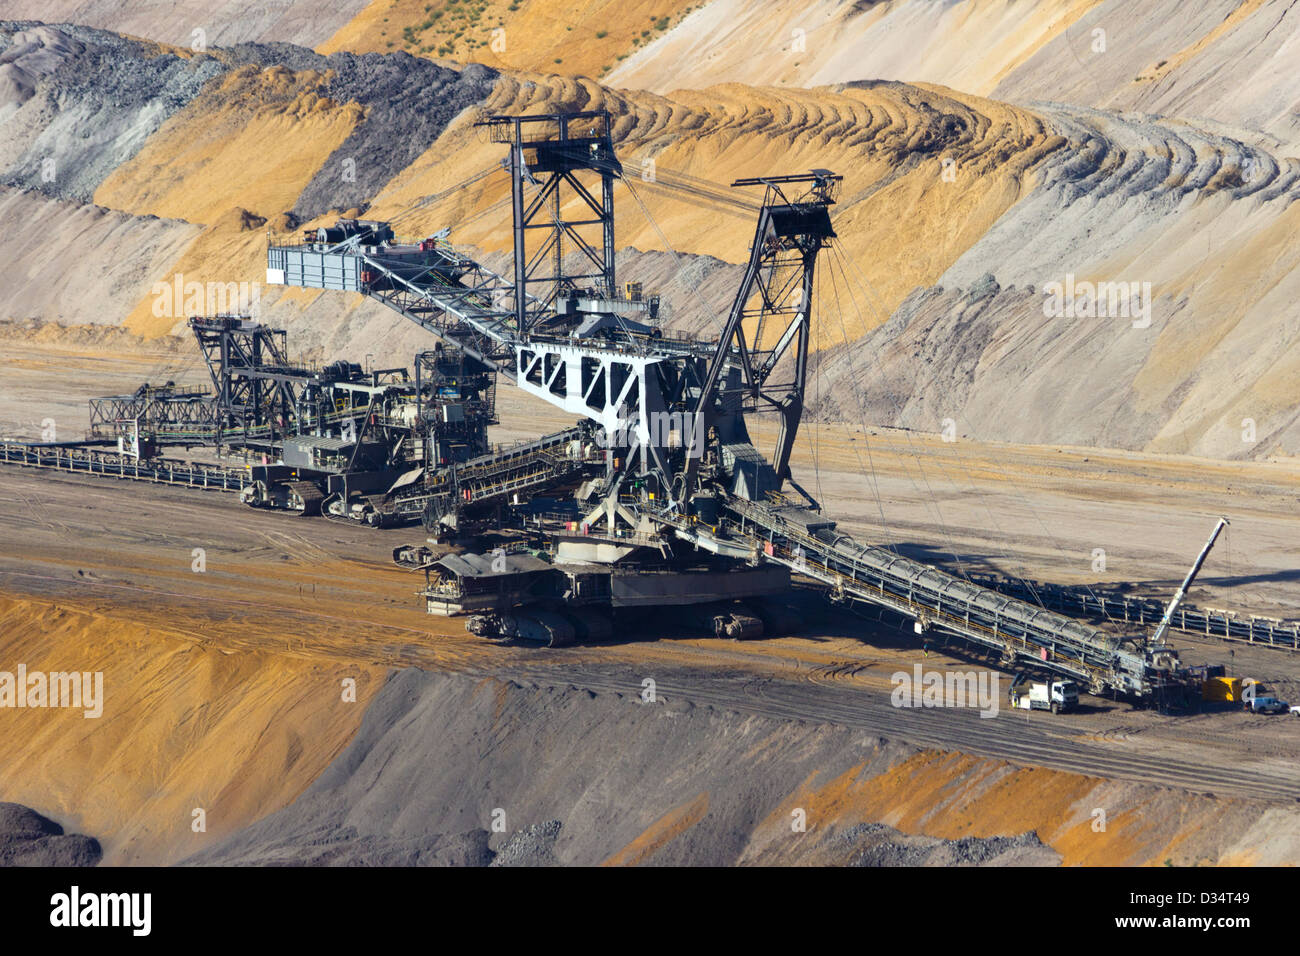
(957, 213)
(1205, 219)
(1219, 60)
(890, 140)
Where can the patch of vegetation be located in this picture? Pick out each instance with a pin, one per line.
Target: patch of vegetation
(451, 22)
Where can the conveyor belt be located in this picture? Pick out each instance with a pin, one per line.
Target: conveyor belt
(527, 467)
(1017, 630)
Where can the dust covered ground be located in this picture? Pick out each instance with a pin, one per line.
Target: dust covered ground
(224, 684)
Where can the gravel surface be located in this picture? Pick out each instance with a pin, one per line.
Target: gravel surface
(875, 844)
(85, 100)
(88, 99)
(29, 839)
(534, 845)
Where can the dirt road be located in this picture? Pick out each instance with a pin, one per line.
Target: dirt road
(325, 590)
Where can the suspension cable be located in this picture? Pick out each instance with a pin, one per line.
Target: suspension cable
(1017, 494)
(435, 198)
(677, 259)
(928, 496)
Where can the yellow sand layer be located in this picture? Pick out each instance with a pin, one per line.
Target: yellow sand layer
(254, 139)
(184, 726)
(1167, 65)
(1087, 820)
(230, 251)
(581, 38)
(662, 832)
(904, 215)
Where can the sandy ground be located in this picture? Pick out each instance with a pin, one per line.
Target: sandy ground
(1042, 513)
(1035, 512)
(319, 589)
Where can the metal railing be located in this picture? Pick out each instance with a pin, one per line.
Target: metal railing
(1207, 622)
(113, 464)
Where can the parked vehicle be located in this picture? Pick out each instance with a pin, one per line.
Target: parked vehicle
(1267, 705)
(1055, 696)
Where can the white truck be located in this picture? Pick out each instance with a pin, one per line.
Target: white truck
(1056, 696)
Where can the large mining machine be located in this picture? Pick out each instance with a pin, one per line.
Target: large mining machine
(682, 508)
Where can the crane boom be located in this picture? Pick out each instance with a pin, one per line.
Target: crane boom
(1159, 636)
